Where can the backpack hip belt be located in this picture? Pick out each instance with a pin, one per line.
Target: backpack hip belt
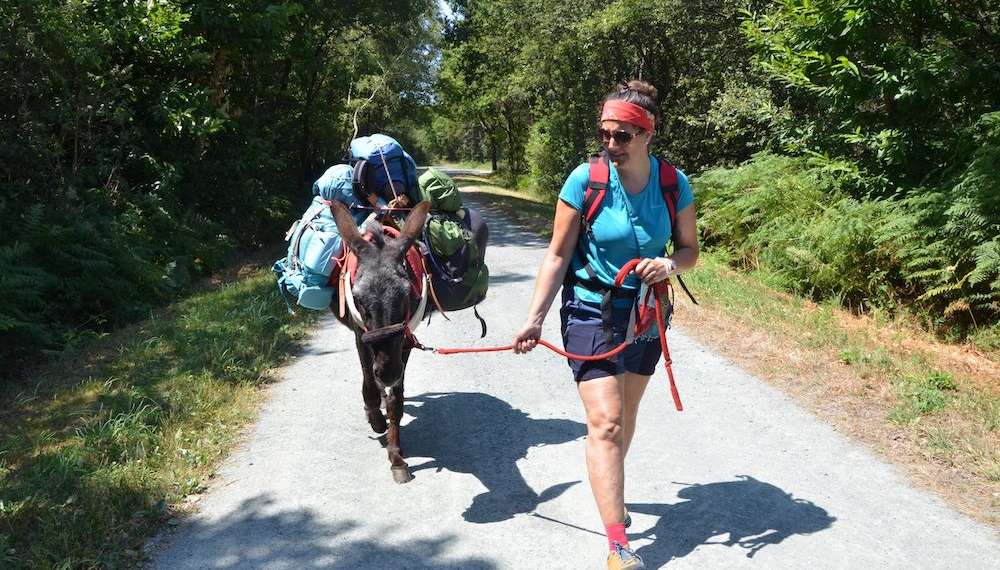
(608, 294)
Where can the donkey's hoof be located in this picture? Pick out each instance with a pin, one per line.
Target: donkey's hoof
(402, 474)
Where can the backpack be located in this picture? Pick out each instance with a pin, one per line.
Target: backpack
(597, 187)
(337, 183)
(456, 239)
(383, 168)
(314, 243)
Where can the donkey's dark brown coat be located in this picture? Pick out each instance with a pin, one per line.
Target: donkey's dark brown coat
(384, 299)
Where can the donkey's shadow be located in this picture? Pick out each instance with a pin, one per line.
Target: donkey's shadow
(752, 514)
(475, 433)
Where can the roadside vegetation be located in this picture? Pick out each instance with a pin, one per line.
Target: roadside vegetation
(100, 447)
(141, 142)
(851, 149)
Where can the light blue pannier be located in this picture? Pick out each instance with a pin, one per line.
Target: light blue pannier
(314, 243)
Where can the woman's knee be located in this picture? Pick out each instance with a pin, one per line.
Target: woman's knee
(605, 425)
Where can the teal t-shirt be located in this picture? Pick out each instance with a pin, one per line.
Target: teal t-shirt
(627, 226)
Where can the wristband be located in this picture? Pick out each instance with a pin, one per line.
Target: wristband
(672, 266)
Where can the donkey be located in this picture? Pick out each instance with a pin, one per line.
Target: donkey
(384, 308)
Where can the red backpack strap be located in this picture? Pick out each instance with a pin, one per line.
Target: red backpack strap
(670, 189)
(597, 187)
(671, 195)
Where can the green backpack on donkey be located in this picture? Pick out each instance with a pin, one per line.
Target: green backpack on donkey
(456, 237)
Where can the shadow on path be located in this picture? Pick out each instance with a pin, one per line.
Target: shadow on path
(510, 278)
(475, 433)
(752, 513)
(316, 350)
(255, 536)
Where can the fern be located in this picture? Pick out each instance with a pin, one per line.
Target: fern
(23, 314)
(936, 250)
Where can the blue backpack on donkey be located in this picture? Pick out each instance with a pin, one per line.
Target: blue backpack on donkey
(314, 243)
(383, 168)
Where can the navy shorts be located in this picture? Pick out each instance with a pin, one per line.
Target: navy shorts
(583, 333)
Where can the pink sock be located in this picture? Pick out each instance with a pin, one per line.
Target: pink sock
(616, 533)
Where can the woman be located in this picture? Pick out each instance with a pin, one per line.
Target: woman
(631, 222)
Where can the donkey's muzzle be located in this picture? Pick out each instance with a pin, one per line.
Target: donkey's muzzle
(383, 333)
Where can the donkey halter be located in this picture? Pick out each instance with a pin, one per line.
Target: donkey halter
(410, 322)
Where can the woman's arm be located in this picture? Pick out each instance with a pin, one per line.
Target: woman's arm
(686, 248)
(685, 254)
(565, 233)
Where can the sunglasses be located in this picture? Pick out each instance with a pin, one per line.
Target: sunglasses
(620, 137)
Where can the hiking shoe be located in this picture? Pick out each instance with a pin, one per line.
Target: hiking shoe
(624, 559)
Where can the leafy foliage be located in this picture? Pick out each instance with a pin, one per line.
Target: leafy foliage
(798, 218)
(529, 75)
(885, 83)
(141, 141)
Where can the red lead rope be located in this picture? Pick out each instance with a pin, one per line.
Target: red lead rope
(660, 291)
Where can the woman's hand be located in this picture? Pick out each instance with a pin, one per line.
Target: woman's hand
(527, 338)
(652, 271)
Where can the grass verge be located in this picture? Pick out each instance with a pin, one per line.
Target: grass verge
(929, 406)
(466, 164)
(97, 450)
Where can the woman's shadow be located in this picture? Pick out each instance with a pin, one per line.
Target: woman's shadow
(752, 513)
(471, 432)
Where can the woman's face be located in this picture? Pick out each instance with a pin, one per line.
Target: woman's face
(623, 140)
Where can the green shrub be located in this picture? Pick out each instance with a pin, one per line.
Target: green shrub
(941, 381)
(986, 339)
(956, 264)
(795, 217)
(922, 395)
(549, 159)
(800, 219)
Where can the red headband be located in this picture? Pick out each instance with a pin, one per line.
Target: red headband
(618, 110)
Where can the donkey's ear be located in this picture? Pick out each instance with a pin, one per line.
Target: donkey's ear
(347, 228)
(415, 222)
(412, 228)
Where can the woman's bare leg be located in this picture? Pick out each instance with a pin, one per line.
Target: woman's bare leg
(603, 400)
(635, 387)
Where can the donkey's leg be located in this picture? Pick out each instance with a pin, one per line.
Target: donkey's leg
(373, 405)
(369, 389)
(394, 407)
